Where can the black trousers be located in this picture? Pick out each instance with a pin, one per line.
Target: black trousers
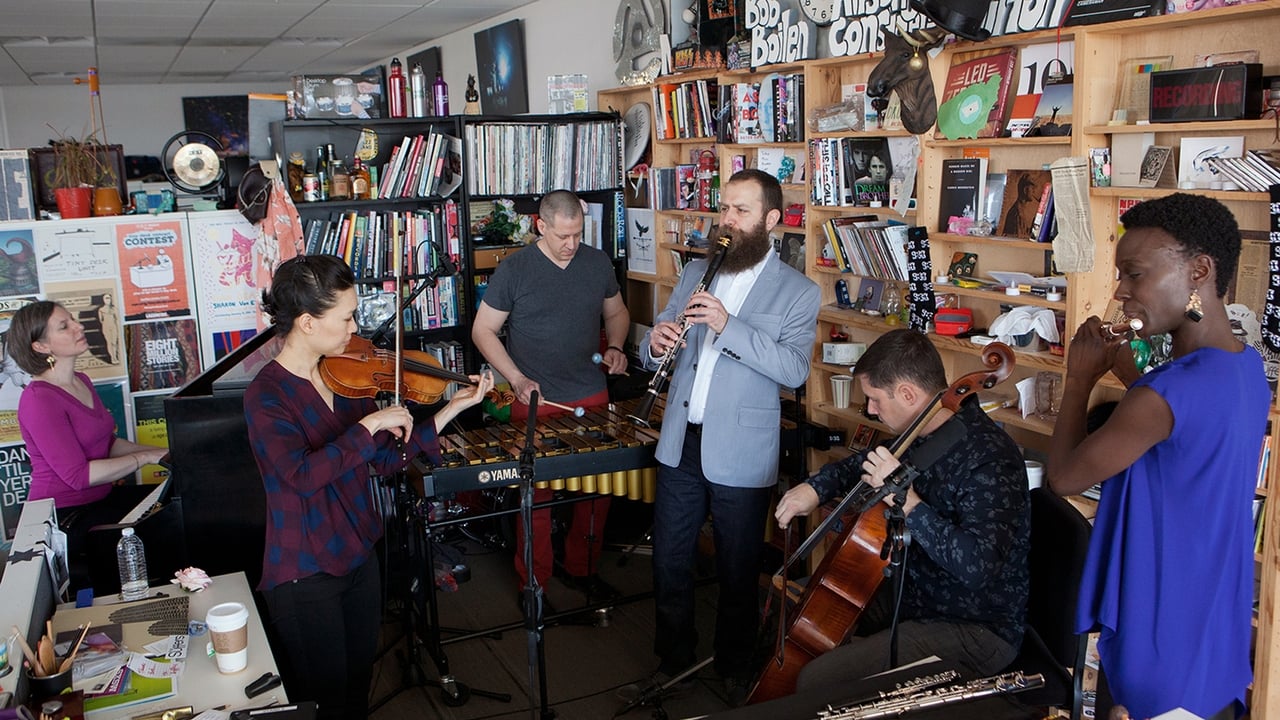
(329, 629)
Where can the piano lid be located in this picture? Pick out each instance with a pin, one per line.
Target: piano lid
(233, 373)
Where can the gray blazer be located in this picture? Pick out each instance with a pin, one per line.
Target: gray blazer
(767, 345)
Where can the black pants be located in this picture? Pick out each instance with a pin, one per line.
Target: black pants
(329, 628)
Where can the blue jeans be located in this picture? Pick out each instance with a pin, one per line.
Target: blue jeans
(738, 520)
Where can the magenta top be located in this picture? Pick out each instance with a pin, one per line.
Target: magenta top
(62, 436)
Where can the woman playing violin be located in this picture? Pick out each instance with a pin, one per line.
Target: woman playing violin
(1169, 577)
(315, 449)
(967, 580)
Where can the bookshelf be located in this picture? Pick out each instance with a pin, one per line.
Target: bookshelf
(1095, 58)
(511, 158)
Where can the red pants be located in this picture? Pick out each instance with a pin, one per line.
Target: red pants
(581, 557)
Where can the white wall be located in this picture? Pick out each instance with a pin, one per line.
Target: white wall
(140, 117)
(561, 36)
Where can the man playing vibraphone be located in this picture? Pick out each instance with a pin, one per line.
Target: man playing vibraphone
(552, 296)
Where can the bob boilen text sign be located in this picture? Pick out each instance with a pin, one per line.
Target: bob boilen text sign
(1222, 92)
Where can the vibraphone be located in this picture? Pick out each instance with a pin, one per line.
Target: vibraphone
(601, 452)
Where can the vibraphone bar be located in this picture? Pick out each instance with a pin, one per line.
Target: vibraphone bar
(601, 452)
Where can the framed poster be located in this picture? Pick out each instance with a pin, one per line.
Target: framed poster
(500, 63)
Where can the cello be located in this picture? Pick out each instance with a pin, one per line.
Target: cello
(851, 570)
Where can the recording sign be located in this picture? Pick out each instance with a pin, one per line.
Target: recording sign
(1222, 92)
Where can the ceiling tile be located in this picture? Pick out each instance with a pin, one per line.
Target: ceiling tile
(211, 59)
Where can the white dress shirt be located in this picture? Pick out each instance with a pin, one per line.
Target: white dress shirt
(732, 291)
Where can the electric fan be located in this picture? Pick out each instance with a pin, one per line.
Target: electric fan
(192, 164)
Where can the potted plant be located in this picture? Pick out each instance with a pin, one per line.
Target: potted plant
(75, 173)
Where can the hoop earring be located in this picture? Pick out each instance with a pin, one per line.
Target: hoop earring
(1195, 311)
(51, 360)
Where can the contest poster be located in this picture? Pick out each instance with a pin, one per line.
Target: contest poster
(13, 379)
(163, 354)
(18, 263)
(153, 269)
(152, 429)
(67, 253)
(222, 266)
(15, 478)
(92, 304)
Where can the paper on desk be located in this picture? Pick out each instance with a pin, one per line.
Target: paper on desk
(173, 647)
(152, 668)
(1073, 246)
(213, 715)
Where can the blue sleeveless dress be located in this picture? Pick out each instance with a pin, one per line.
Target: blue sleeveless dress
(1169, 578)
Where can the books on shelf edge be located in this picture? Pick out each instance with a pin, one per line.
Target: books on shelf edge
(1127, 151)
(972, 86)
(962, 189)
(1024, 195)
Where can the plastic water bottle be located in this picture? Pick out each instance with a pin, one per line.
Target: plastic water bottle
(132, 560)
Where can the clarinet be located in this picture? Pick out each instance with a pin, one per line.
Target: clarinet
(659, 382)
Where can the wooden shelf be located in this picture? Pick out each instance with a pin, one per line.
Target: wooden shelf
(993, 240)
(997, 295)
(1217, 128)
(998, 142)
(1225, 195)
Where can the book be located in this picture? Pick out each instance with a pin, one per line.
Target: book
(1053, 111)
(1194, 152)
(974, 101)
(993, 200)
(1156, 171)
(1089, 12)
(1023, 193)
(963, 188)
(1040, 63)
(790, 247)
(1100, 166)
(1127, 151)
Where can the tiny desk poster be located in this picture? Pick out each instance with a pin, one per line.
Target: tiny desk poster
(91, 303)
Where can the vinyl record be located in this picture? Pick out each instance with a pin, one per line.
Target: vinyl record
(964, 115)
(196, 164)
(635, 133)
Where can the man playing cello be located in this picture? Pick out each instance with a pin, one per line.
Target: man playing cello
(965, 591)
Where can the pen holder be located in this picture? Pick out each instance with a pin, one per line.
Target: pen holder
(48, 686)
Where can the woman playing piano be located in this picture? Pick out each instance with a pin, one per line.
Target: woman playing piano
(70, 434)
(315, 450)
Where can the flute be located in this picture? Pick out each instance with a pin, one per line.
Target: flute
(1121, 329)
(667, 365)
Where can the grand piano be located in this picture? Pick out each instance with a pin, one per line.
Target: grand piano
(211, 468)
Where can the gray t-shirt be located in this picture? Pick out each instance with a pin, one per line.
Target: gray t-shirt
(553, 327)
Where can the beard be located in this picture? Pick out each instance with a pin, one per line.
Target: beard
(747, 248)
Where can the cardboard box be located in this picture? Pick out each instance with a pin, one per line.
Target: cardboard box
(339, 96)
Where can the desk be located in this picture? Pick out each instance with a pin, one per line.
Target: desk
(200, 685)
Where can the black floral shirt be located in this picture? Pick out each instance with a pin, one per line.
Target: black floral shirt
(970, 534)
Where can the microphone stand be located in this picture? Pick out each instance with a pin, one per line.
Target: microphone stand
(446, 268)
(533, 608)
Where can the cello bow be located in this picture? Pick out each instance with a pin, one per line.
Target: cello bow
(852, 568)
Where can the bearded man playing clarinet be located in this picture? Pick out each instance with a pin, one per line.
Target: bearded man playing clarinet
(751, 332)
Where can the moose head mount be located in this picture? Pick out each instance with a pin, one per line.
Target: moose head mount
(905, 68)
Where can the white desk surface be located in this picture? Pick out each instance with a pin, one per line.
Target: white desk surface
(201, 685)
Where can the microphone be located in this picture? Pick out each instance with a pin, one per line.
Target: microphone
(447, 266)
(919, 460)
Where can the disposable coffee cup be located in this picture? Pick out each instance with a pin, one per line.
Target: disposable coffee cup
(1035, 474)
(841, 386)
(229, 629)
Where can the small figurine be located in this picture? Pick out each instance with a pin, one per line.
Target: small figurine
(472, 96)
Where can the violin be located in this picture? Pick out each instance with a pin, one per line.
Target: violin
(851, 570)
(363, 371)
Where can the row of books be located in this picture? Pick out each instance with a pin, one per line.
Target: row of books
(530, 159)
(867, 246)
(685, 110)
(422, 166)
(762, 112)
(368, 240)
(527, 159)
(850, 171)
(673, 188)
(1257, 171)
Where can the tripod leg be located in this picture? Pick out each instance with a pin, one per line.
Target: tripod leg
(646, 539)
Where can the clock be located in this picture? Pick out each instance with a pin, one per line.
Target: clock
(821, 12)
